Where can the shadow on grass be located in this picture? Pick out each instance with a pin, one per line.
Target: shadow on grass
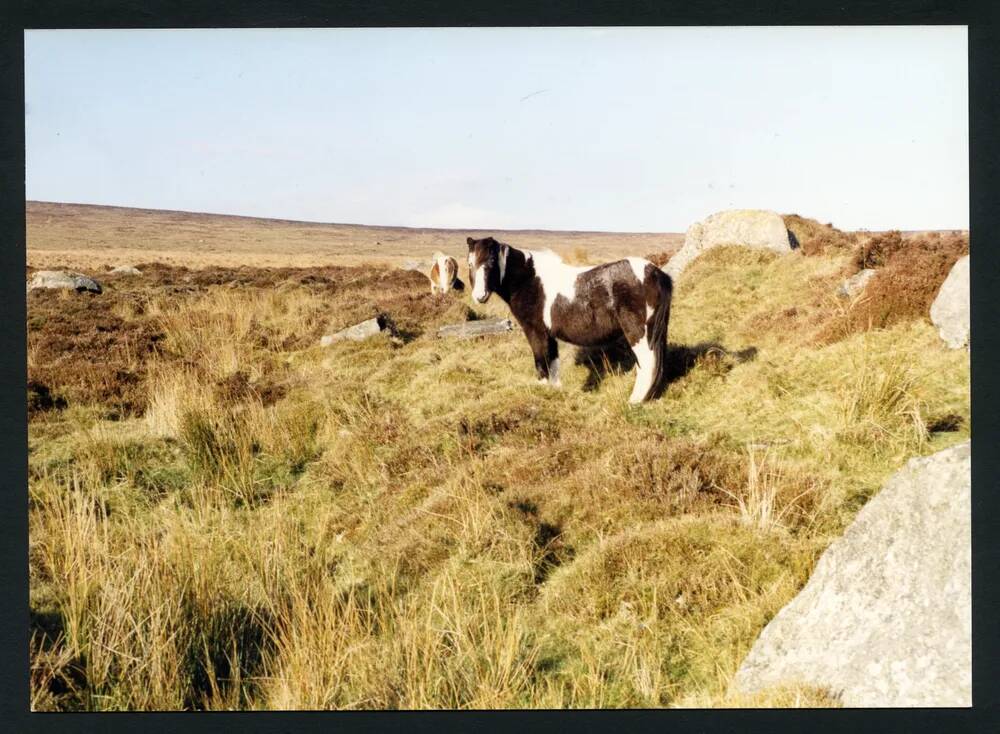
(617, 358)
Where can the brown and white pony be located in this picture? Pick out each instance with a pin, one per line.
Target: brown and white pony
(444, 274)
(587, 306)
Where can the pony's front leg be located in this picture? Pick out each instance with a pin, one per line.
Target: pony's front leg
(546, 352)
(552, 357)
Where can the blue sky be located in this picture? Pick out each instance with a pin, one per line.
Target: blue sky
(637, 129)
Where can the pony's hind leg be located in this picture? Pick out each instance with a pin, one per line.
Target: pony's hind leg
(645, 370)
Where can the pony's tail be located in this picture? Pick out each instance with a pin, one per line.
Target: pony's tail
(656, 331)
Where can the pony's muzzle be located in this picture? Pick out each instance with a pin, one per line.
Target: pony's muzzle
(483, 298)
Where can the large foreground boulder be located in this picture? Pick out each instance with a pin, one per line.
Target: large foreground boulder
(42, 279)
(748, 227)
(950, 310)
(886, 618)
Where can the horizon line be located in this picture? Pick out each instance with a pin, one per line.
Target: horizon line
(322, 223)
(352, 224)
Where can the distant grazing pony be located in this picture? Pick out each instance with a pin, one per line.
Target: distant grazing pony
(444, 274)
(587, 306)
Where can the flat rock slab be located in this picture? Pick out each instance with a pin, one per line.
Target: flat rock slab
(469, 329)
(950, 310)
(886, 618)
(64, 279)
(359, 332)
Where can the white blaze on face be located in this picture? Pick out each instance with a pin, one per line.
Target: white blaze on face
(479, 289)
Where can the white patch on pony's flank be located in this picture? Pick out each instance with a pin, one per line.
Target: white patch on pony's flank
(638, 266)
(558, 279)
(554, 373)
(646, 368)
(479, 290)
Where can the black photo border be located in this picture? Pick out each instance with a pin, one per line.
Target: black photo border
(984, 136)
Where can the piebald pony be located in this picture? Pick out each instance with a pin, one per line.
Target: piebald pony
(586, 306)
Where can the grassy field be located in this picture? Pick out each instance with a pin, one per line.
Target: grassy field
(225, 515)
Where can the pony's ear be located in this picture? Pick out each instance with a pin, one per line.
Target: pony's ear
(470, 242)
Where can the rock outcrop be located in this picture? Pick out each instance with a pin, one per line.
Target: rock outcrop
(748, 227)
(950, 310)
(886, 618)
(63, 279)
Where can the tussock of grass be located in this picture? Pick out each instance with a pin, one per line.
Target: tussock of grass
(421, 525)
(815, 238)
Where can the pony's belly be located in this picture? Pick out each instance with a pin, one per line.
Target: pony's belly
(589, 339)
(584, 327)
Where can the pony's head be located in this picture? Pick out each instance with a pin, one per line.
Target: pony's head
(487, 266)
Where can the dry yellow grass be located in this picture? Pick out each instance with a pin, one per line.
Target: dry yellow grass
(420, 525)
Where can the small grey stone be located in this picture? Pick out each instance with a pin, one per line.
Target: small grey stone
(950, 310)
(856, 283)
(126, 270)
(360, 332)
